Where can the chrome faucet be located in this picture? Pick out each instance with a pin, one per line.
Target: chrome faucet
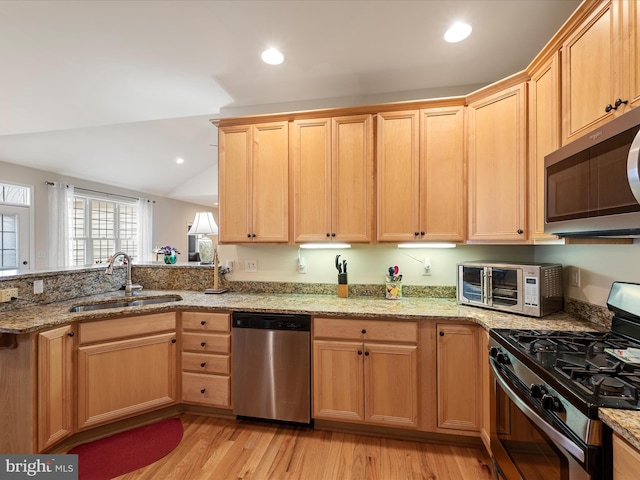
(129, 287)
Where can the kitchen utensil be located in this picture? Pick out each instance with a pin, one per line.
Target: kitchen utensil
(338, 266)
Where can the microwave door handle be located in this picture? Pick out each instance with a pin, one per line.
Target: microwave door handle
(557, 437)
(633, 167)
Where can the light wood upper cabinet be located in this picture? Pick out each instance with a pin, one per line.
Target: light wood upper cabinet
(459, 376)
(630, 12)
(497, 166)
(544, 136)
(55, 385)
(254, 183)
(420, 159)
(332, 170)
(592, 59)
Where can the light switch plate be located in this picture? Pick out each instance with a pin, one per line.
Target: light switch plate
(251, 265)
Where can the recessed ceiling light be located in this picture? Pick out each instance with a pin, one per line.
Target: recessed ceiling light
(272, 57)
(179, 160)
(457, 32)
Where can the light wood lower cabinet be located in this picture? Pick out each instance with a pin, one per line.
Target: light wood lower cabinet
(124, 377)
(206, 359)
(55, 385)
(626, 460)
(365, 380)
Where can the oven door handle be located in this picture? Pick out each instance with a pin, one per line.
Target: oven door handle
(557, 437)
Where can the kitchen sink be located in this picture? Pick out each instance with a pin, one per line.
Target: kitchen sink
(120, 303)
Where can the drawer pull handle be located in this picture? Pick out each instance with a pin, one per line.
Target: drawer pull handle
(203, 364)
(71, 334)
(203, 344)
(202, 390)
(203, 322)
(364, 331)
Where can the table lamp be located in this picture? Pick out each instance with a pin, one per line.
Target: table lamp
(203, 225)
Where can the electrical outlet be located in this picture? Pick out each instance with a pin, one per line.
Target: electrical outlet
(229, 265)
(302, 265)
(251, 265)
(38, 287)
(7, 293)
(574, 277)
(427, 267)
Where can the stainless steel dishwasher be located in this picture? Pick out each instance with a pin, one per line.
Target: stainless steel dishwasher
(272, 366)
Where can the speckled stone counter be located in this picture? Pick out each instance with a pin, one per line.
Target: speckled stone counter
(37, 317)
(625, 423)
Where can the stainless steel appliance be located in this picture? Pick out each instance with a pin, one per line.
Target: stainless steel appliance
(272, 366)
(548, 387)
(592, 185)
(533, 289)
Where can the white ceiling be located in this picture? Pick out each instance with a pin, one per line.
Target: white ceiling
(115, 91)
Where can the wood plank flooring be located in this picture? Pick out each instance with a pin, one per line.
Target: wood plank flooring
(223, 449)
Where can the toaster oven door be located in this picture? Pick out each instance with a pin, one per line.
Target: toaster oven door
(505, 288)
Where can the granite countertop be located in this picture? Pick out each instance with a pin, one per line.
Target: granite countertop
(38, 317)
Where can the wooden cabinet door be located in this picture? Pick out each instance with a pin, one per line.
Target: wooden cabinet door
(391, 384)
(459, 375)
(338, 381)
(352, 179)
(270, 183)
(234, 183)
(311, 177)
(631, 68)
(590, 72)
(398, 177)
(55, 385)
(497, 162)
(626, 460)
(544, 137)
(123, 378)
(442, 199)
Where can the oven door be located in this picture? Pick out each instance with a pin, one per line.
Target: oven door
(523, 444)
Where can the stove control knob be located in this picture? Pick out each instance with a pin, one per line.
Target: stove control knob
(551, 403)
(502, 358)
(537, 390)
(493, 352)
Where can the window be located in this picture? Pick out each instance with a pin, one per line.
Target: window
(101, 228)
(15, 202)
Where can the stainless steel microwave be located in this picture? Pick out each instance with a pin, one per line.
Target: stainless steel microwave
(533, 289)
(592, 185)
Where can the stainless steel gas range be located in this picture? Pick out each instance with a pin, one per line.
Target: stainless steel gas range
(548, 386)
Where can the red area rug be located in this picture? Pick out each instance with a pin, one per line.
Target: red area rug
(127, 451)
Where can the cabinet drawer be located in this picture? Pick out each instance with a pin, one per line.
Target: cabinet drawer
(374, 330)
(110, 329)
(206, 363)
(206, 322)
(206, 342)
(206, 389)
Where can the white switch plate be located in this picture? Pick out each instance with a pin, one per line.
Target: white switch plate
(574, 276)
(251, 265)
(38, 287)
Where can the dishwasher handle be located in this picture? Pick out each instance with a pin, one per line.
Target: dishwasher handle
(270, 321)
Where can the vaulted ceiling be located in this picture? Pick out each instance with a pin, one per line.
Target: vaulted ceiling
(115, 91)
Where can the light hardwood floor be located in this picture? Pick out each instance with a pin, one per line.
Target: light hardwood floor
(222, 449)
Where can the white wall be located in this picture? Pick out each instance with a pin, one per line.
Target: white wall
(599, 265)
(170, 216)
(366, 264)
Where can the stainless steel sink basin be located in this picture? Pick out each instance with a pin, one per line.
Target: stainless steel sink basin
(120, 303)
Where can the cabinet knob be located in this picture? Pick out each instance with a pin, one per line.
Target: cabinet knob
(359, 352)
(253, 235)
(415, 234)
(202, 390)
(173, 340)
(608, 108)
(519, 231)
(619, 102)
(422, 233)
(248, 235)
(442, 334)
(203, 344)
(71, 334)
(333, 234)
(328, 234)
(203, 364)
(203, 322)
(366, 354)
(364, 331)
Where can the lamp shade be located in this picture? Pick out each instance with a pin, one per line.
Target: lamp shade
(203, 223)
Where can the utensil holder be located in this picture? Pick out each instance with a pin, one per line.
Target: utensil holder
(393, 290)
(343, 287)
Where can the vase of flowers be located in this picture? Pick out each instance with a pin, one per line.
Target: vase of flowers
(170, 254)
